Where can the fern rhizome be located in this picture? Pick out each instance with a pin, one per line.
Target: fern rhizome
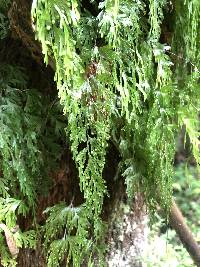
(126, 71)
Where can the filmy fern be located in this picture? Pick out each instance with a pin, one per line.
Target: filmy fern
(120, 58)
(86, 97)
(26, 141)
(112, 65)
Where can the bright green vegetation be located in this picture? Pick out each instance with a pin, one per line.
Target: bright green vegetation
(119, 78)
(30, 127)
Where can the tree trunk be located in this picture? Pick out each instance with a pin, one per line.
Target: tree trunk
(127, 235)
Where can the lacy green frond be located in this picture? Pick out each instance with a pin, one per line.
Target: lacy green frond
(117, 65)
(30, 128)
(86, 97)
(187, 32)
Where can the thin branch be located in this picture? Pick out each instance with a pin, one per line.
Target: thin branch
(177, 221)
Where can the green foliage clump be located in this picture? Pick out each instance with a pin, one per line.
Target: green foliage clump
(29, 134)
(117, 78)
(86, 96)
(187, 63)
(23, 120)
(4, 23)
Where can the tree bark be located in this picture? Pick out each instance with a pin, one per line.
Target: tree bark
(128, 234)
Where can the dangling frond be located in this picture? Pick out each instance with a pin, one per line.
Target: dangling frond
(134, 62)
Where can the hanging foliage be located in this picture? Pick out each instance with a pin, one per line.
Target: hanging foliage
(124, 73)
(29, 137)
(114, 64)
